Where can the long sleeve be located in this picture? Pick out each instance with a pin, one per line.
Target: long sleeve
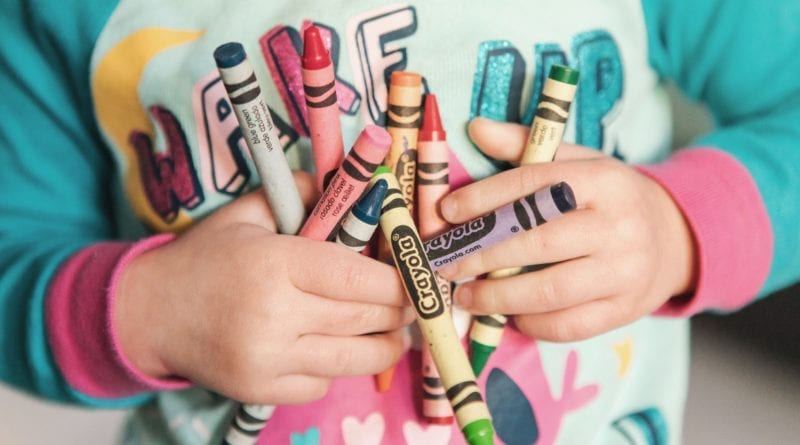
(737, 185)
(55, 210)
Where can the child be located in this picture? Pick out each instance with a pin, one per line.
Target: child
(116, 128)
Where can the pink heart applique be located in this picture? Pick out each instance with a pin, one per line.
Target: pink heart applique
(368, 432)
(433, 435)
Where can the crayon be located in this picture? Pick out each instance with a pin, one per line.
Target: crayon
(347, 184)
(247, 424)
(433, 157)
(545, 135)
(402, 121)
(284, 199)
(551, 115)
(433, 318)
(383, 380)
(544, 205)
(261, 135)
(319, 85)
(360, 224)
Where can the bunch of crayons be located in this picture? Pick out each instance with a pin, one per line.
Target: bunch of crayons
(358, 193)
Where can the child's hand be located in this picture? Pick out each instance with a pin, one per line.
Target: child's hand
(623, 253)
(259, 317)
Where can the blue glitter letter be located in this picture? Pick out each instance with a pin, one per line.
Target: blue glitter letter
(600, 86)
(497, 87)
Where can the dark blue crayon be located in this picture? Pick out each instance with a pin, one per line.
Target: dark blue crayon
(360, 224)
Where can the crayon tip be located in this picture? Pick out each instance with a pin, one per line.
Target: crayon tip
(368, 208)
(376, 135)
(229, 54)
(383, 168)
(479, 432)
(383, 381)
(480, 356)
(563, 196)
(564, 74)
(440, 420)
(315, 55)
(432, 129)
(405, 79)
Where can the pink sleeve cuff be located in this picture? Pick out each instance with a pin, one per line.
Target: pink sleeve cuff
(732, 230)
(80, 328)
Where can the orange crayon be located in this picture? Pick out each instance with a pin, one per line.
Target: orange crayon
(402, 122)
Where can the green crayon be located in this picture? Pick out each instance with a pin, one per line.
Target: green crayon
(545, 135)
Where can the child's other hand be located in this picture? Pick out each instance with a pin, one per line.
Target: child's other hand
(259, 317)
(621, 254)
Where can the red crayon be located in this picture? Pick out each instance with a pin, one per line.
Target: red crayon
(348, 184)
(319, 85)
(433, 156)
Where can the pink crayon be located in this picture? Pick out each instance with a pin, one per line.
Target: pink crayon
(433, 155)
(348, 184)
(319, 85)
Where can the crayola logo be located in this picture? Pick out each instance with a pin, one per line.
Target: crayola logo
(416, 273)
(460, 237)
(405, 171)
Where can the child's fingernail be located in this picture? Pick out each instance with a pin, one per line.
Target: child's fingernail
(464, 297)
(449, 207)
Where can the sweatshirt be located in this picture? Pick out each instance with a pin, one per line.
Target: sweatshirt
(116, 133)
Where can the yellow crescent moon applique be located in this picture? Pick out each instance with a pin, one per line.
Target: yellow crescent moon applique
(119, 112)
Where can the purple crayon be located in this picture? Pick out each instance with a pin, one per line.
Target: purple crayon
(348, 184)
(533, 210)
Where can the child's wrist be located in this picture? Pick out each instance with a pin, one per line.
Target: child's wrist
(136, 290)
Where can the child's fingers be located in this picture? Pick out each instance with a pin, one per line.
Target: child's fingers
(332, 271)
(578, 322)
(347, 318)
(500, 140)
(327, 356)
(252, 208)
(553, 288)
(507, 141)
(307, 187)
(486, 195)
(572, 236)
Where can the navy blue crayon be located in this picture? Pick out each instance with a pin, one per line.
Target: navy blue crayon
(360, 224)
